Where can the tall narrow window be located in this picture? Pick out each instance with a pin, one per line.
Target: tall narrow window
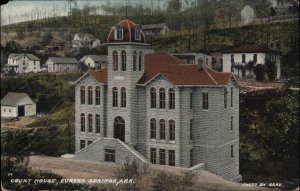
(153, 155)
(191, 157)
(90, 95)
(123, 97)
(204, 100)
(109, 155)
(138, 33)
(162, 156)
(90, 123)
(232, 58)
(115, 60)
(82, 95)
(97, 120)
(191, 129)
(97, 95)
(255, 58)
(140, 60)
(152, 129)
(243, 58)
(82, 122)
(191, 100)
(162, 129)
(172, 130)
(118, 33)
(231, 96)
(225, 97)
(134, 60)
(171, 158)
(123, 58)
(153, 98)
(162, 98)
(231, 149)
(171, 98)
(115, 97)
(82, 144)
(231, 122)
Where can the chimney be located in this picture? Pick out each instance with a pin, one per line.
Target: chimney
(200, 64)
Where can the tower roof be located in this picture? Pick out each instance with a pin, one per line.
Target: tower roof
(129, 29)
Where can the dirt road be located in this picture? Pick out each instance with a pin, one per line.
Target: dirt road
(70, 168)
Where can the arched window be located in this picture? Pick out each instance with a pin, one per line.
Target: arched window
(82, 122)
(153, 98)
(90, 95)
(172, 130)
(162, 98)
(162, 129)
(97, 95)
(90, 123)
(115, 60)
(82, 95)
(123, 97)
(134, 60)
(152, 129)
(115, 97)
(140, 60)
(118, 32)
(123, 58)
(97, 123)
(171, 98)
(138, 32)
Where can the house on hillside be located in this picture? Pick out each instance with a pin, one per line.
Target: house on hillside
(23, 63)
(156, 108)
(281, 3)
(84, 40)
(243, 60)
(247, 14)
(17, 105)
(195, 58)
(156, 29)
(62, 64)
(94, 61)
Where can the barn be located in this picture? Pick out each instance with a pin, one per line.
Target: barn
(17, 105)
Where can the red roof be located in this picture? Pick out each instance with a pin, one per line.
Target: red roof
(175, 70)
(129, 28)
(247, 49)
(100, 75)
(179, 72)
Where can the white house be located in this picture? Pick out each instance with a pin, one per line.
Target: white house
(195, 58)
(23, 63)
(85, 40)
(61, 64)
(281, 3)
(243, 60)
(247, 14)
(156, 29)
(94, 61)
(17, 105)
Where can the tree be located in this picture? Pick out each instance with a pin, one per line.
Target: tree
(270, 68)
(174, 6)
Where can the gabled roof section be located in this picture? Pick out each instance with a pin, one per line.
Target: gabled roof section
(99, 75)
(95, 58)
(129, 28)
(180, 73)
(19, 56)
(12, 99)
(63, 60)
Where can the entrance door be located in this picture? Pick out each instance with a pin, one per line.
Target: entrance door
(119, 128)
(21, 111)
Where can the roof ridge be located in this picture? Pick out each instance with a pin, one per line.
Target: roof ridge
(210, 75)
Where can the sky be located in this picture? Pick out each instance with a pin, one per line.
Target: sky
(18, 10)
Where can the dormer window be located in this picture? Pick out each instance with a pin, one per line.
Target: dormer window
(118, 33)
(138, 33)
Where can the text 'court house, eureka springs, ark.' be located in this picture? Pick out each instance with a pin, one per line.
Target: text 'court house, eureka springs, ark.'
(156, 108)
